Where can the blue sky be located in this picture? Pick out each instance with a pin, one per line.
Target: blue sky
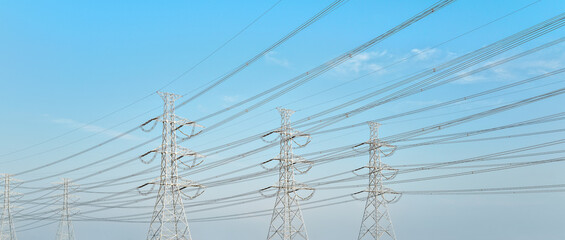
(84, 72)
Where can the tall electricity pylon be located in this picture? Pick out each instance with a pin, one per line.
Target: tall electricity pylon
(287, 222)
(66, 230)
(7, 230)
(376, 223)
(169, 220)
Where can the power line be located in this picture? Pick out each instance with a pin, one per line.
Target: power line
(152, 93)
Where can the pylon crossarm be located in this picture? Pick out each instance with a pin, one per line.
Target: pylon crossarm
(302, 186)
(264, 164)
(262, 192)
(152, 184)
(154, 120)
(194, 161)
(187, 184)
(154, 151)
(396, 195)
(355, 171)
(270, 133)
(354, 195)
(392, 174)
(75, 212)
(298, 134)
(181, 122)
(182, 151)
(390, 152)
(382, 170)
(357, 148)
(194, 158)
(294, 190)
(187, 136)
(16, 196)
(300, 161)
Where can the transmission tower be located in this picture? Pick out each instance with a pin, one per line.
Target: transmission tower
(66, 230)
(376, 223)
(7, 230)
(287, 222)
(169, 220)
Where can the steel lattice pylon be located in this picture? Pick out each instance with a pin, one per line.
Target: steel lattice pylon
(376, 223)
(169, 221)
(66, 230)
(287, 222)
(7, 230)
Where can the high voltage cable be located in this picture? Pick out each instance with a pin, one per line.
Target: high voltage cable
(452, 62)
(397, 62)
(431, 168)
(334, 5)
(458, 121)
(420, 179)
(84, 151)
(521, 164)
(486, 157)
(79, 140)
(498, 190)
(414, 55)
(430, 82)
(153, 93)
(503, 137)
(539, 120)
(405, 139)
(425, 108)
(524, 123)
(471, 117)
(80, 153)
(315, 72)
(442, 164)
(461, 99)
(552, 160)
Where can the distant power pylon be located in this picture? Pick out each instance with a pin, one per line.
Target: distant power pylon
(7, 230)
(66, 230)
(287, 222)
(169, 220)
(376, 223)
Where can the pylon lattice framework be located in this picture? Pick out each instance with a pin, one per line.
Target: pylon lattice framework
(376, 223)
(7, 230)
(287, 222)
(169, 221)
(66, 230)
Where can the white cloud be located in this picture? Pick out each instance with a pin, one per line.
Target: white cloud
(471, 79)
(544, 65)
(93, 128)
(366, 61)
(229, 100)
(272, 58)
(424, 54)
(422, 103)
(522, 68)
